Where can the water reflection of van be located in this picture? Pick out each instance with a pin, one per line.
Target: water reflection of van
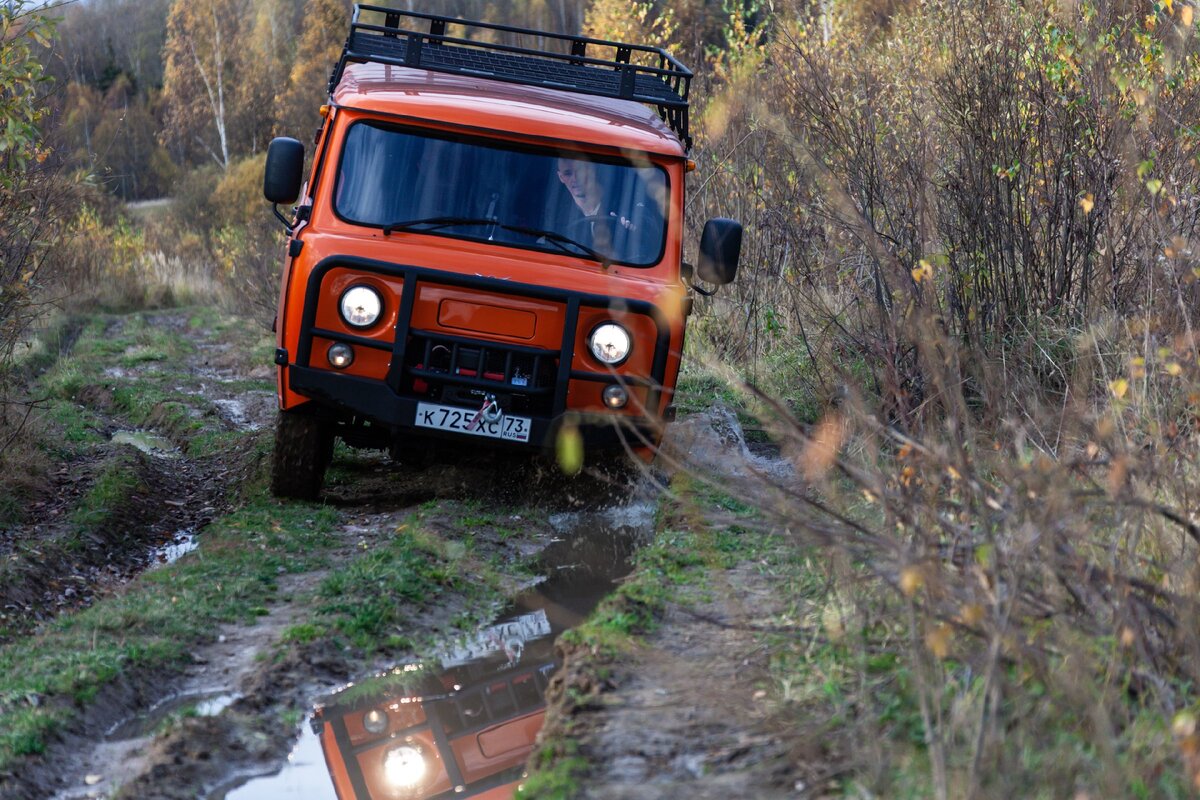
(465, 732)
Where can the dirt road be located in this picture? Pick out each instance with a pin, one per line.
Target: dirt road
(401, 633)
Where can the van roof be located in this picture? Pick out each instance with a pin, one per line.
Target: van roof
(495, 107)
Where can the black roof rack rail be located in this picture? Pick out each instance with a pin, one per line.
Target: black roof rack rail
(613, 71)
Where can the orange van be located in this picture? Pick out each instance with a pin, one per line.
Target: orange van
(466, 732)
(488, 247)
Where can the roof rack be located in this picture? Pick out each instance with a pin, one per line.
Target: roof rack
(611, 71)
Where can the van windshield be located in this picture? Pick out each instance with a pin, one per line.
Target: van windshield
(541, 200)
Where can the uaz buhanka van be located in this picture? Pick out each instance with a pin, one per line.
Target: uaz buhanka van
(488, 247)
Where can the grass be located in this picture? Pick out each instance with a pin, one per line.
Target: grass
(682, 553)
(673, 567)
(113, 487)
(371, 597)
(151, 627)
(559, 780)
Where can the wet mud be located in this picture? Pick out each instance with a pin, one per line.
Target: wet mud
(462, 721)
(688, 713)
(50, 568)
(483, 687)
(248, 719)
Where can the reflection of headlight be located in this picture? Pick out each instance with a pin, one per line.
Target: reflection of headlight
(404, 767)
(375, 721)
(361, 306)
(609, 343)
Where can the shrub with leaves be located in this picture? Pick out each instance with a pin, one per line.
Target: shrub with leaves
(30, 202)
(971, 228)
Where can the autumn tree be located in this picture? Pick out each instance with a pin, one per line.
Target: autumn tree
(102, 39)
(322, 35)
(202, 46)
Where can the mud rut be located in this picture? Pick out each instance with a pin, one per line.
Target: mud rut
(242, 702)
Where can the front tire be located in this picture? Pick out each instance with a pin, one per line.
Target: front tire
(303, 448)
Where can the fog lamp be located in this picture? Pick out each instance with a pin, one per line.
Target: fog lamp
(615, 396)
(404, 767)
(375, 721)
(340, 355)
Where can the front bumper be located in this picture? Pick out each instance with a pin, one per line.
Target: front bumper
(391, 403)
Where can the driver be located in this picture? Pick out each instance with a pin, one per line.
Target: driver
(583, 182)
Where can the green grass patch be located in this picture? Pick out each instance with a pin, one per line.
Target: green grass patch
(233, 577)
(114, 486)
(557, 770)
(76, 427)
(366, 599)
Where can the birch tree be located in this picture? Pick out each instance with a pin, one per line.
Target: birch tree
(201, 70)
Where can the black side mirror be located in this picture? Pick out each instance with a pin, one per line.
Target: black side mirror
(720, 249)
(285, 170)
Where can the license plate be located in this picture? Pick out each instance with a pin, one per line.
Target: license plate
(449, 418)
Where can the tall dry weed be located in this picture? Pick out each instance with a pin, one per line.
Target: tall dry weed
(977, 222)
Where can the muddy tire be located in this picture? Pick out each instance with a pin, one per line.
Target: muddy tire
(303, 450)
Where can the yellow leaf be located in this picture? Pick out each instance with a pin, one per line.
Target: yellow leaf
(911, 581)
(971, 614)
(938, 641)
(821, 449)
(569, 449)
(1087, 202)
(1185, 16)
(923, 271)
(1173, 369)
(1119, 387)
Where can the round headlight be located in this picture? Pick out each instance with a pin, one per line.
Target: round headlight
(404, 767)
(610, 343)
(375, 721)
(361, 306)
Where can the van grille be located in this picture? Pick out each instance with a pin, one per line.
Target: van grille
(495, 702)
(460, 371)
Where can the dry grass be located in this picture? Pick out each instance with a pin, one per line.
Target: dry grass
(966, 311)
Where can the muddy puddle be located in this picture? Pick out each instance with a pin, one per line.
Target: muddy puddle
(195, 704)
(182, 543)
(149, 443)
(461, 722)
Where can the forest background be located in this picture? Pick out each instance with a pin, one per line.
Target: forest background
(966, 311)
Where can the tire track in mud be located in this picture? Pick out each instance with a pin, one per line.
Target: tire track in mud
(209, 756)
(67, 555)
(252, 690)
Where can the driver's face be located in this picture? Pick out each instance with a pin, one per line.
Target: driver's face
(580, 179)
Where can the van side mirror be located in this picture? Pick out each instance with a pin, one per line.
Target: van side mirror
(285, 170)
(720, 249)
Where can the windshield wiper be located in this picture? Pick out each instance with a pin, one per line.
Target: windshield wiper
(564, 243)
(435, 223)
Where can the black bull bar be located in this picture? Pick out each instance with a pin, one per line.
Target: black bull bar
(383, 403)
